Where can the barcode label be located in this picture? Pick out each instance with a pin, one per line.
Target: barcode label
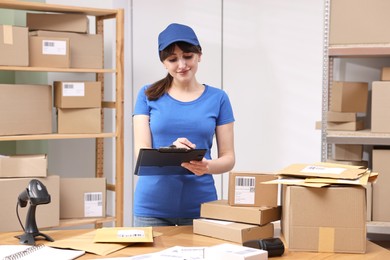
(51, 47)
(245, 181)
(131, 233)
(93, 204)
(73, 89)
(244, 192)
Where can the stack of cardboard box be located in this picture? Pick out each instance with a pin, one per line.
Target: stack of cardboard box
(78, 107)
(247, 214)
(324, 207)
(346, 100)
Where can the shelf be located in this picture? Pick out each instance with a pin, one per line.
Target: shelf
(368, 50)
(42, 7)
(376, 227)
(85, 221)
(364, 137)
(54, 136)
(41, 69)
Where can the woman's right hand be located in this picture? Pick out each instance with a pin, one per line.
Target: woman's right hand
(183, 142)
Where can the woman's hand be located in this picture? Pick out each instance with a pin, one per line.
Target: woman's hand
(183, 142)
(197, 167)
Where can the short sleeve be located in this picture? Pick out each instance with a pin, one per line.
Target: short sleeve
(141, 105)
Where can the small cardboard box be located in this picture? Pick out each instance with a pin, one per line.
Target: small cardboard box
(380, 108)
(86, 50)
(57, 22)
(13, 45)
(328, 219)
(234, 252)
(380, 189)
(77, 94)
(25, 109)
(47, 215)
(34, 165)
(365, 23)
(232, 231)
(220, 209)
(79, 120)
(246, 189)
(349, 96)
(341, 116)
(346, 126)
(49, 52)
(385, 74)
(347, 152)
(82, 197)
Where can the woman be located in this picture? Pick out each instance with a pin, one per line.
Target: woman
(178, 110)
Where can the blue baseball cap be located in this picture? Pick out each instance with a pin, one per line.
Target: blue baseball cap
(176, 33)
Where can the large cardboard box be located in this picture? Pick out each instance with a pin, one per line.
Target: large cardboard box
(47, 215)
(359, 22)
(328, 219)
(82, 197)
(347, 152)
(220, 209)
(79, 120)
(349, 96)
(77, 94)
(232, 231)
(380, 107)
(380, 188)
(13, 45)
(25, 109)
(51, 52)
(86, 50)
(57, 22)
(246, 189)
(34, 165)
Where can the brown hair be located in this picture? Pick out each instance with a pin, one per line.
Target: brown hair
(158, 88)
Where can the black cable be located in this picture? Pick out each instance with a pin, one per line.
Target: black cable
(17, 214)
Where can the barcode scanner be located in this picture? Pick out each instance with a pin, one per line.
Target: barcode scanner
(274, 246)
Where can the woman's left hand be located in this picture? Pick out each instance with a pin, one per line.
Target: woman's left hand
(197, 167)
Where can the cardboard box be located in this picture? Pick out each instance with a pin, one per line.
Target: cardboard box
(25, 109)
(13, 45)
(79, 120)
(385, 74)
(34, 165)
(82, 197)
(47, 215)
(380, 107)
(347, 152)
(234, 252)
(86, 50)
(359, 22)
(341, 116)
(57, 22)
(246, 189)
(232, 231)
(380, 189)
(220, 209)
(329, 219)
(345, 126)
(49, 52)
(77, 94)
(349, 96)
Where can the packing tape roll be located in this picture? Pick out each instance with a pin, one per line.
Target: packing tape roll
(7, 34)
(326, 239)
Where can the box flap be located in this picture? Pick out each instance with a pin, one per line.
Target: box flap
(324, 170)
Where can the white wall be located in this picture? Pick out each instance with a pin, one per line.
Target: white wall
(267, 55)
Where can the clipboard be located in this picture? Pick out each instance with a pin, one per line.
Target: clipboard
(166, 160)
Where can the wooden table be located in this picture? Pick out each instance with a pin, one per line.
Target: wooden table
(183, 236)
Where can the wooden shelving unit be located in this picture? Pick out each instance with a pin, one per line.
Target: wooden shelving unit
(118, 105)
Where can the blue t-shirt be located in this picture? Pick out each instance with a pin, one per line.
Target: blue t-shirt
(180, 196)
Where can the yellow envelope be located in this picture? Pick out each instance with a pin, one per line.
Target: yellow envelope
(124, 234)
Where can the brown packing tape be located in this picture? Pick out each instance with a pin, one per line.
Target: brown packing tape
(7, 34)
(326, 239)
